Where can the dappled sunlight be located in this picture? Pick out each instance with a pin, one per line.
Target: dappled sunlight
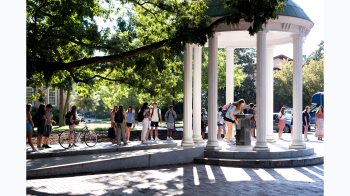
(210, 174)
(195, 176)
(188, 179)
(264, 175)
(235, 174)
(292, 174)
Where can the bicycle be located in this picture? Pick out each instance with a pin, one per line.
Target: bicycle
(90, 137)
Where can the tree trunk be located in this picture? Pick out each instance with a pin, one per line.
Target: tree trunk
(66, 105)
(61, 109)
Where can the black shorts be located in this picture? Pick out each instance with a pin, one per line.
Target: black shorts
(154, 124)
(47, 130)
(41, 128)
(129, 124)
(228, 120)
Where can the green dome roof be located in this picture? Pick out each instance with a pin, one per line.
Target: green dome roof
(217, 9)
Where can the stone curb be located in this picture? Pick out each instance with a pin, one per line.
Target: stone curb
(263, 163)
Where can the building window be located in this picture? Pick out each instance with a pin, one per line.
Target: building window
(29, 95)
(52, 97)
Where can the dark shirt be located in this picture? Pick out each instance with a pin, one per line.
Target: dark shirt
(307, 115)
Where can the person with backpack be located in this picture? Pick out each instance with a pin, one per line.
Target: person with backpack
(170, 118)
(220, 122)
(145, 125)
(156, 118)
(72, 121)
(120, 123)
(40, 123)
(112, 132)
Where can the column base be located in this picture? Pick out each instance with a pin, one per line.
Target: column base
(197, 139)
(213, 145)
(297, 144)
(187, 143)
(270, 138)
(261, 146)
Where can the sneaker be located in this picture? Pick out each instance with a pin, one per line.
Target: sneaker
(47, 146)
(152, 139)
(167, 138)
(170, 138)
(34, 150)
(157, 139)
(306, 140)
(70, 146)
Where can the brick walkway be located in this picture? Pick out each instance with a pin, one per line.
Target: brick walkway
(189, 179)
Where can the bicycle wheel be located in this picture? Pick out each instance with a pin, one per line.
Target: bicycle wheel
(90, 138)
(63, 139)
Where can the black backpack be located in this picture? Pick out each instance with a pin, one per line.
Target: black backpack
(67, 117)
(118, 118)
(223, 112)
(111, 133)
(140, 115)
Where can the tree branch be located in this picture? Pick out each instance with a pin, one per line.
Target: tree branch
(55, 66)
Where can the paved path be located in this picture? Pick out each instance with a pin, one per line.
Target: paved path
(189, 179)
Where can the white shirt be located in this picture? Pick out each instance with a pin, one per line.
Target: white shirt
(155, 117)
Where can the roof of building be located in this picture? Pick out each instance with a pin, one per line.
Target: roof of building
(216, 9)
(282, 56)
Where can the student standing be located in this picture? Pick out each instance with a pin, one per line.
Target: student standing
(48, 125)
(281, 122)
(306, 121)
(319, 123)
(40, 121)
(29, 126)
(170, 118)
(130, 119)
(156, 118)
(121, 123)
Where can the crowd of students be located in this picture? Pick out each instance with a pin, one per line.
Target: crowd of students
(151, 117)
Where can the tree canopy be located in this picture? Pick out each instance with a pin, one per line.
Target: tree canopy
(68, 41)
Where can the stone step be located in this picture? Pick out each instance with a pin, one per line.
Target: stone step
(313, 159)
(287, 153)
(95, 163)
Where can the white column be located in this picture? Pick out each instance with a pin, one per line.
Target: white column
(212, 143)
(261, 93)
(297, 141)
(187, 140)
(269, 110)
(229, 75)
(197, 92)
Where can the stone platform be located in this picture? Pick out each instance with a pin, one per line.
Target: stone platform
(279, 155)
(105, 157)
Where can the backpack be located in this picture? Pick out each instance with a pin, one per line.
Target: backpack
(118, 117)
(111, 133)
(140, 115)
(67, 117)
(223, 112)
